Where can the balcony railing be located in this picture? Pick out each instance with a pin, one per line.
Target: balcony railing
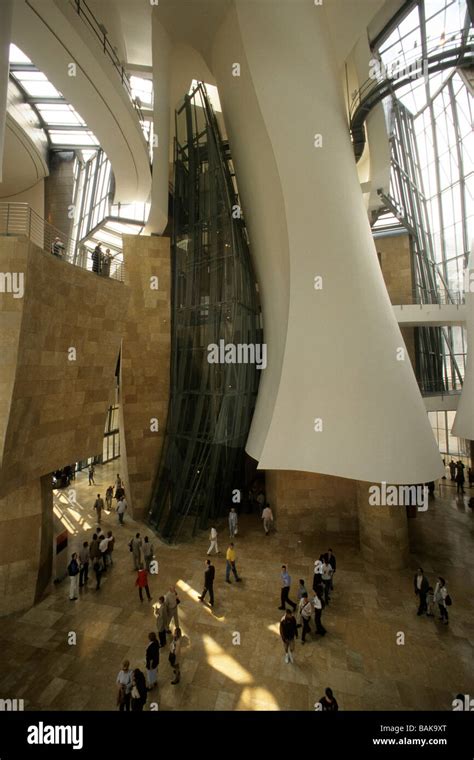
(97, 29)
(417, 297)
(20, 219)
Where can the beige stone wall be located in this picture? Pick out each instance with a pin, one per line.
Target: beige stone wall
(145, 366)
(306, 501)
(56, 406)
(395, 260)
(383, 532)
(21, 529)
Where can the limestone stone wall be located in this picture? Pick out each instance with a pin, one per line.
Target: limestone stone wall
(61, 341)
(395, 260)
(383, 532)
(306, 501)
(26, 515)
(145, 365)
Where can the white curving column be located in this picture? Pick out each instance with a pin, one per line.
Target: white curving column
(333, 353)
(161, 49)
(464, 421)
(6, 15)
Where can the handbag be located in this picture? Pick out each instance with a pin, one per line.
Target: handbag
(448, 601)
(172, 658)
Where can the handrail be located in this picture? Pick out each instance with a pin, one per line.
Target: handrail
(85, 13)
(417, 297)
(20, 219)
(457, 52)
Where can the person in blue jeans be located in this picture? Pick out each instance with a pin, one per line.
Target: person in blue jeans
(230, 564)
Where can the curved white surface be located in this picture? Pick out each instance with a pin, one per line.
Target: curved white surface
(463, 426)
(53, 36)
(339, 362)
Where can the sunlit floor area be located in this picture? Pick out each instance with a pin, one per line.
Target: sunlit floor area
(232, 656)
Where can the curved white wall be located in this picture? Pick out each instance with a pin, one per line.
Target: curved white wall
(464, 421)
(53, 36)
(339, 362)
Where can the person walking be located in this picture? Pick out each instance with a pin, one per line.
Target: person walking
(173, 657)
(152, 657)
(159, 610)
(331, 558)
(288, 632)
(98, 506)
(233, 523)
(213, 541)
(452, 469)
(121, 507)
(421, 584)
(135, 546)
(94, 551)
(318, 612)
(318, 574)
(139, 691)
(142, 583)
(440, 597)
(171, 603)
(148, 553)
(110, 547)
(328, 702)
(267, 517)
(84, 557)
(326, 577)
(73, 572)
(209, 575)
(285, 589)
(103, 548)
(460, 477)
(305, 610)
(91, 475)
(230, 564)
(98, 568)
(109, 495)
(124, 683)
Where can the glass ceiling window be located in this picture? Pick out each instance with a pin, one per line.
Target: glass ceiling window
(64, 126)
(212, 94)
(142, 89)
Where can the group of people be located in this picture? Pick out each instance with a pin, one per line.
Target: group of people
(323, 584)
(133, 686)
(456, 470)
(97, 554)
(101, 261)
(119, 496)
(429, 597)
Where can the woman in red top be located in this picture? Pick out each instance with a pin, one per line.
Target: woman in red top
(142, 582)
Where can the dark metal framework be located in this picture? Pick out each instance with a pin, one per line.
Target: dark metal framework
(214, 298)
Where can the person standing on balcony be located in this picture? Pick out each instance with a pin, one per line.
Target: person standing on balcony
(97, 258)
(106, 261)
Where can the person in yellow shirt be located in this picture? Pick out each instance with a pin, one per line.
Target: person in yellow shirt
(230, 564)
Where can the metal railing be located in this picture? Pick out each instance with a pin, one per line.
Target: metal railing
(20, 219)
(87, 16)
(446, 388)
(457, 51)
(415, 297)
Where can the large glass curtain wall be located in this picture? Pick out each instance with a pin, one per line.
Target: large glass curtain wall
(214, 298)
(432, 181)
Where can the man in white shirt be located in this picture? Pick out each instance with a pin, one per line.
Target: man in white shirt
(318, 611)
(305, 610)
(213, 541)
(326, 574)
(267, 517)
(121, 507)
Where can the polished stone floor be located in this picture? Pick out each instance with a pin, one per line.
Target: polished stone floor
(232, 658)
